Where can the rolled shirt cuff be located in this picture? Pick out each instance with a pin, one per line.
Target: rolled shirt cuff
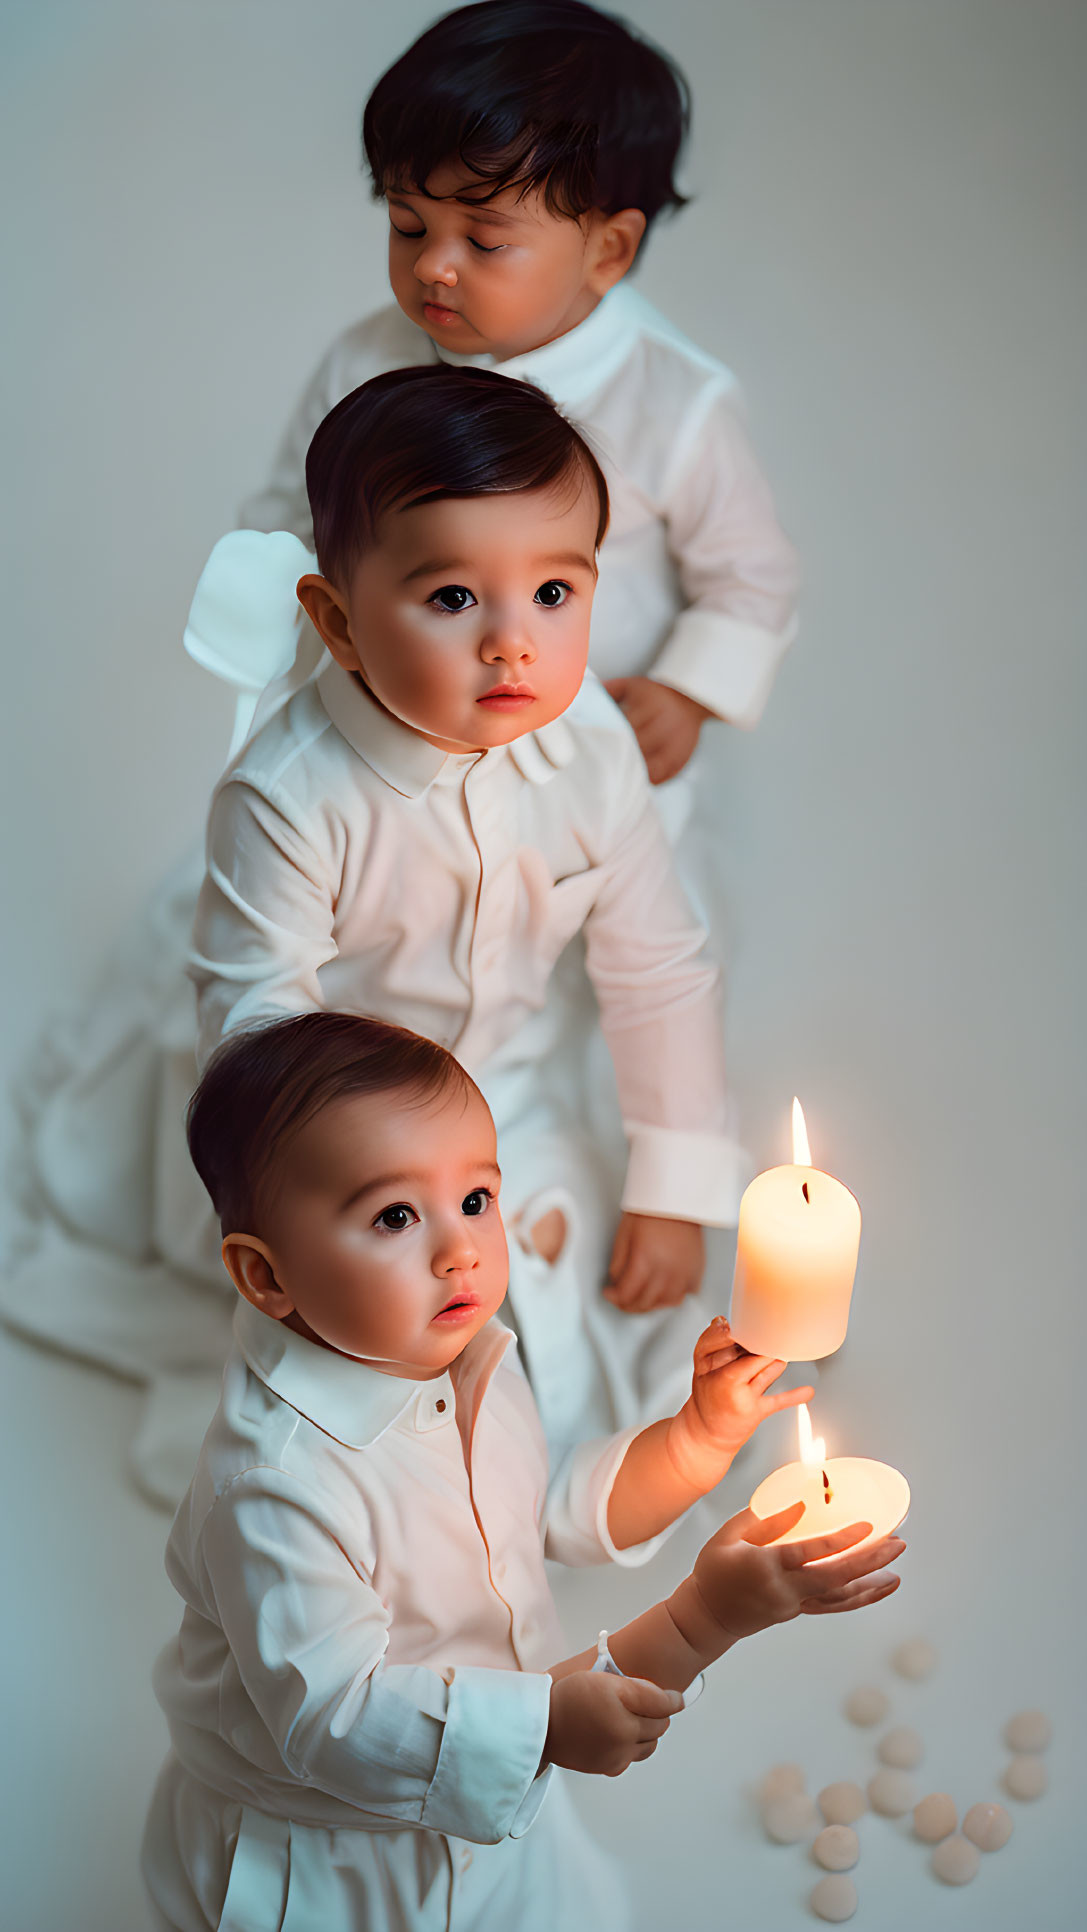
(723, 663)
(683, 1176)
(577, 1512)
(485, 1787)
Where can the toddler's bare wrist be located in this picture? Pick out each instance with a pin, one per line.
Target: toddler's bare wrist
(704, 1636)
(698, 1461)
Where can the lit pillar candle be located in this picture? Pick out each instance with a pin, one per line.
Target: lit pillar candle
(835, 1493)
(796, 1256)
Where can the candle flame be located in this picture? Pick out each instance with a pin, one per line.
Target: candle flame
(812, 1448)
(801, 1150)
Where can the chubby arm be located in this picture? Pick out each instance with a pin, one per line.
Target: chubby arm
(264, 918)
(675, 1461)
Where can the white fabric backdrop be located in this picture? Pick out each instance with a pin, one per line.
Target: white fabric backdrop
(885, 246)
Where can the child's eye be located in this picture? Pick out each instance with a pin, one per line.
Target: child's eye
(408, 234)
(452, 597)
(477, 1202)
(395, 1219)
(553, 594)
(482, 248)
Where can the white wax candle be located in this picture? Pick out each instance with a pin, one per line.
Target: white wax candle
(860, 1491)
(796, 1256)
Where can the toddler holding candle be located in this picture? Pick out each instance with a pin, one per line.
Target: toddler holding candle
(420, 831)
(365, 1705)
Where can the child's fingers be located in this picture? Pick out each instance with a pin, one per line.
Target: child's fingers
(858, 1562)
(761, 1370)
(788, 1399)
(814, 1548)
(765, 1529)
(882, 1586)
(645, 1699)
(616, 688)
(862, 1586)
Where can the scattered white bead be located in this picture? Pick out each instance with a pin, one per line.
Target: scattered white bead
(837, 1848)
(901, 1748)
(842, 1804)
(956, 1861)
(987, 1826)
(783, 1781)
(1028, 1731)
(867, 1705)
(834, 1899)
(935, 1817)
(1026, 1777)
(892, 1793)
(788, 1820)
(915, 1658)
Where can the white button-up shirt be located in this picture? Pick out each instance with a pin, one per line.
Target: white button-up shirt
(697, 582)
(367, 1620)
(353, 865)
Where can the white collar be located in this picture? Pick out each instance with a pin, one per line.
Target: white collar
(348, 1400)
(575, 365)
(407, 762)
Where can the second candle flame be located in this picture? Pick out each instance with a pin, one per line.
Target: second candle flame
(813, 1449)
(801, 1150)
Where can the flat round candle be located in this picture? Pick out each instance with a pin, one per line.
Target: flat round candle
(835, 1493)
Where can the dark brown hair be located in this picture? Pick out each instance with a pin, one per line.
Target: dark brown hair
(263, 1085)
(420, 435)
(534, 93)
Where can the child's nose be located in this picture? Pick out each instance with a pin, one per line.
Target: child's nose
(455, 1248)
(434, 263)
(508, 642)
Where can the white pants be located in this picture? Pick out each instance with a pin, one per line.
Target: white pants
(212, 1865)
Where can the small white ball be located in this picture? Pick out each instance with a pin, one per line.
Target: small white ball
(915, 1658)
(987, 1826)
(956, 1861)
(892, 1793)
(935, 1817)
(867, 1705)
(1026, 1777)
(783, 1781)
(788, 1820)
(901, 1748)
(837, 1848)
(834, 1899)
(1028, 1731)
(843, 1803)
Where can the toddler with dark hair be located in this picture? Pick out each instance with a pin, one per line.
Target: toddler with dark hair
(524, 148)
(421, 830)
(368, 1698)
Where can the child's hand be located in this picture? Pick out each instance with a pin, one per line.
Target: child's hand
(740, 1585)
(602, 1723)
(654, 1263)
(666, 723)
(729, 1398)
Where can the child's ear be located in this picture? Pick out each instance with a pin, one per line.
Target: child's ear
(249, 1264)
(615, 244)
(326, 608)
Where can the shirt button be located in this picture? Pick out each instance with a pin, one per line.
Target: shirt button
(440, 1405)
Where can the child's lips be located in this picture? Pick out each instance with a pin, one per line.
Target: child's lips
(508, 697)
(436, 312)
(458, 1309)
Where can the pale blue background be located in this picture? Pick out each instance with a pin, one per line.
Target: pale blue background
(886, 245)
